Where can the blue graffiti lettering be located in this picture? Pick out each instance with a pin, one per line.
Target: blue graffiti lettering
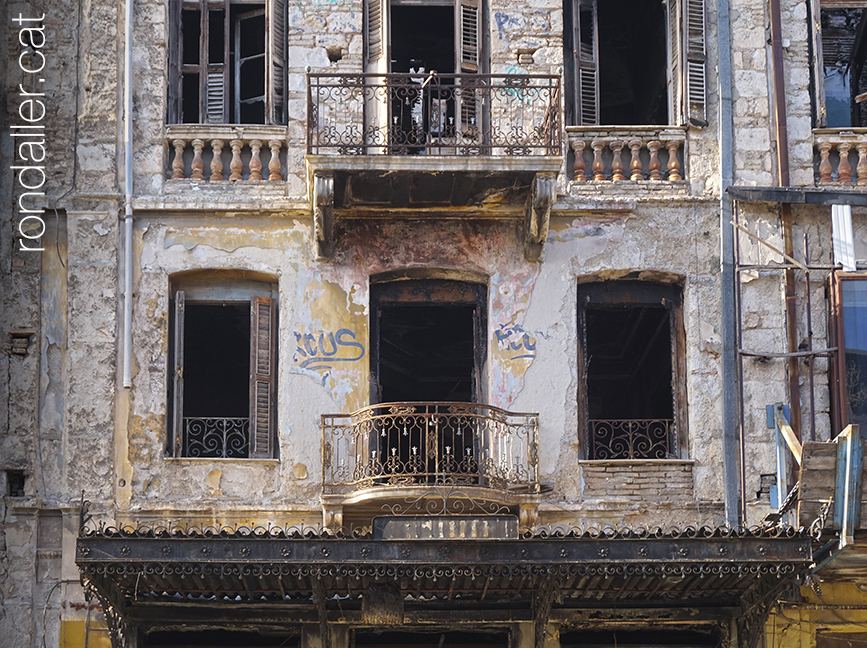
(316, 355)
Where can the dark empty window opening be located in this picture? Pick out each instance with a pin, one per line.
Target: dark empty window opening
(630, 386)
(633, 78)
(704, 638)
(426, 353)
(422, 38)
(222, 375)
(15, 483)
(844, 53)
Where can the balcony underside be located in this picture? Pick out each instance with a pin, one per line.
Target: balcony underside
(434, 187)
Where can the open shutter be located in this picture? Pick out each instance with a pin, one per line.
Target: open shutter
(817, 70)
(467, 56)
(174, 90)
(676, 77)
(696, 62)
(263, 377)
(177, 423)
(373, 21)
(276, 52)
(587, 63)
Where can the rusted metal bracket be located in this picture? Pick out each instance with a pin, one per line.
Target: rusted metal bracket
(539, 214)
(323, 214)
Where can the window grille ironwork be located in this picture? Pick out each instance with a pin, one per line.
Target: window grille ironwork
(216, 437)
(631, 438)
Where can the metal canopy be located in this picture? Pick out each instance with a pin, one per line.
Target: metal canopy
(800, 195)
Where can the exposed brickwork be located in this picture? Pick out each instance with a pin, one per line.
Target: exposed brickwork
(646, 481)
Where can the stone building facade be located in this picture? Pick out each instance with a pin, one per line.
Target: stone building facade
(382, 322)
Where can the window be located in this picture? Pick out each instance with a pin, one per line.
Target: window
(223, 370)
(839, 74)
(632, 376)
(427, 340)
(227, 62)
(848, 332)
(632, 62)
(412, 38)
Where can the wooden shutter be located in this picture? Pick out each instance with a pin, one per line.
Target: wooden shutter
(696, 62)
(586, 63)
(817, 72)
(263, 377)
(177, 379)
(275, 31)
(469, 36)
(173, 98)
(373, 21)
(676, 79)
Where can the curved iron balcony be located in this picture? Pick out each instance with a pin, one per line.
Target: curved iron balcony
(426, 443)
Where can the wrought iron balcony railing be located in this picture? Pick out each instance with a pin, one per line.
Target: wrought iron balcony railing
(419, 444)
(216, 437)
(631, 438)
(430, 114)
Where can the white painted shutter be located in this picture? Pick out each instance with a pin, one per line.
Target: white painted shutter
(696, 62)
(263, 377)
(373, 20)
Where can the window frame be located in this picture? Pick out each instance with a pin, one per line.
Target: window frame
(838, 383)
(262, 378)
(632, 292)
(686, 64)
(220, 79)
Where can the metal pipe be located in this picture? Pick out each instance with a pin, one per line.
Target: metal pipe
(731, 460)
(810, 358)
(127, 199)
(741, 447)
(782, 140)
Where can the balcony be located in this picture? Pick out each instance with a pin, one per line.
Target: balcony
(429, 458)
(380, 144)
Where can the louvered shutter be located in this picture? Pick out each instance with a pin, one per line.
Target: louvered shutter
(373, 20)
(177, 379)
(696, 62)
(467, 55)
(276, 69)
(586, 63)
(676, 79)
(174, 90)
(263, 378)
(820, 114)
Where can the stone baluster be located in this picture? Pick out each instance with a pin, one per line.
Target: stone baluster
(178, 162)
(579, 167)
(654, 167)
(617, 161)
(217, 160)
(274, 162)
(844, 169)
(824, 161)
(635, 171)
(236, 165)
(255, 162)
(598, 165)
(673, 163)
(198, 165)
(861, 169)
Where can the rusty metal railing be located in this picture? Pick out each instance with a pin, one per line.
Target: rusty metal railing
(408, 444)
(216, 437)
(431, 114)
(631, 438)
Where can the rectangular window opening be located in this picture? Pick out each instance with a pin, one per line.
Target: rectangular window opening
(844, 53)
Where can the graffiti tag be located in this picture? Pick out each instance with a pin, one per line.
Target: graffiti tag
(517, 341)
(320, 352)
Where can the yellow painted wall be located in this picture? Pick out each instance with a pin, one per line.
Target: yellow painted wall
(77, 633)
(836, 607)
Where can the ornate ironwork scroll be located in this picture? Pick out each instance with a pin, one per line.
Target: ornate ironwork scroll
(631, 438)
(454, 115)
(227, 438)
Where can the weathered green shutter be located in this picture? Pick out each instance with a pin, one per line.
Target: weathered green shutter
(263, 377)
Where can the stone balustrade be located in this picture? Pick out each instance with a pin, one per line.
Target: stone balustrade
(632, 154)
(211, 153)
(840, 156)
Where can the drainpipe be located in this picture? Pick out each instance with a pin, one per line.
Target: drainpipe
(731, 462)
(127, 199)
(782, 137)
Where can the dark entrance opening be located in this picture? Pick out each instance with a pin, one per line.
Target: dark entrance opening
(220, 639)
(431, 639)
(422, 37)
(217, 360)
(633, 75)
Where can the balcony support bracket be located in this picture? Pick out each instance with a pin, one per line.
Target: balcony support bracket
(539, 214)
(323, 213)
